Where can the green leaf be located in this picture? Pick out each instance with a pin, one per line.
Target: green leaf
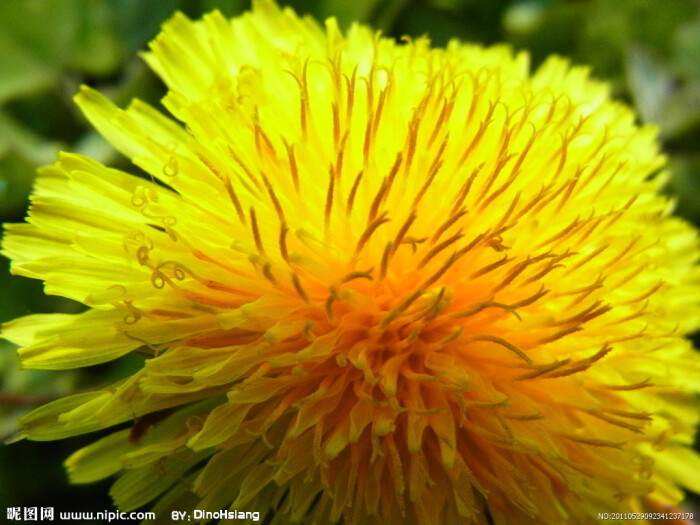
(685, 185)
(15, 137)
(35, 38)
(21, 151)
(229, 8)
(681, 113)
(659, 97)
(138, 21)
(97, 49)
(686, 49)
(543, 28)
(20, 70)
(348, 12)
(649, 82)
(16, 177)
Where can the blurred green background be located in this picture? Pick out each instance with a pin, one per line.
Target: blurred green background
(649, 51)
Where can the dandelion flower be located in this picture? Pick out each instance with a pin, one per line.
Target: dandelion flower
(375, 282)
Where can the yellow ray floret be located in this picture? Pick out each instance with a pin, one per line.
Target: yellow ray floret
(374, 282)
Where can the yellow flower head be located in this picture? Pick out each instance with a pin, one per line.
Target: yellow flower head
(376, 283)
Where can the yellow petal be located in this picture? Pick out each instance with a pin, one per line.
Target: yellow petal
(69, 341)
